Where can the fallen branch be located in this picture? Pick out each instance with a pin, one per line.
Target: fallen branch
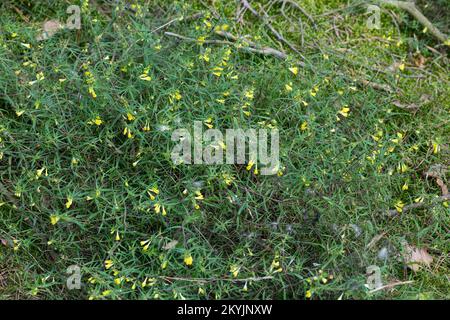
(254, 47)
(265, 18)
(411, 8)
(297, 6)
(418, 205)
(391, 285)
(377, 86)
(260, 50)
(177, 19)
(207, 280)
(181, 37)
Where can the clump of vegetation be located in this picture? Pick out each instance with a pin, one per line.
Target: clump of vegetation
(85, 142)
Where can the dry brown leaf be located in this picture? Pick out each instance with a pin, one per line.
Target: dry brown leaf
(416, 257)
(50, 28)
(408, 107)
(419, 60)
(170, 245)
(438, 171)
(413, 107)
(394, 67)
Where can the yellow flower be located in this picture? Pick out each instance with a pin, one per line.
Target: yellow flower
(16, 244)
(398, 139)
(188, 260)
(127, 132)
(223, 27)
(54, 219)
(92, 92)
(436, 147)
(402, 168)
(69, 202)
(294, 70)
(401, 67)
(344, 111)
(106, 293)
(205, 56)
(275, 264)
(39, 172)
(199, 195)
(288, 87)
(145, 77)
(153, 192)
(130, 116)
(201, 40)
(97, 121)
(108, 264)
(145, 244)
(304, 126)
(40, 76)
(177, 95)
(217, 71)
(208, 123)
(249, 94)
(201, 291)
(228, 179)
(117, 236)
(250, 165)
(325, 56)
(234, 269)
(418, 199)
(313, 91)
(308, 294)
(405, 187)
(399, 206)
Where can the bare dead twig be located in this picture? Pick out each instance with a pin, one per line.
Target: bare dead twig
(177, 19)
(298, 7)
(377, 86)
(207, 280)
(411, 8)
(265, 18)
(253, 49)
(418, 205)
(391, 285)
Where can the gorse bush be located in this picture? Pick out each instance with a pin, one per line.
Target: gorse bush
(87, 177)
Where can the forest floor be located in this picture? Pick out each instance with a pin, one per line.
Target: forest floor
(87, 179)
